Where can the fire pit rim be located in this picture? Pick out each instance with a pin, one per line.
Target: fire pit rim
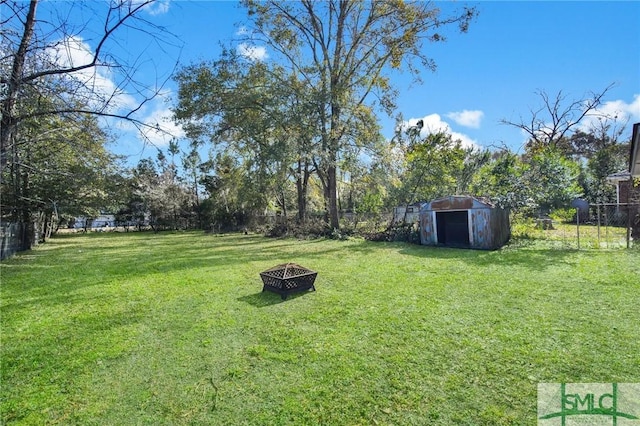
(287, 266)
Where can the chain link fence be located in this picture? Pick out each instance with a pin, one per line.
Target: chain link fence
(13, 238)
(601, 226)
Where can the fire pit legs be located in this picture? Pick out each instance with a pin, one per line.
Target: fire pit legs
(285, 294)
(288, 278)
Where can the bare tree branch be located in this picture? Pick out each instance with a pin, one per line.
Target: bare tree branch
(34, 70)
(551, 123)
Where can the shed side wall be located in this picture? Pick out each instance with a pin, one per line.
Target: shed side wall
(501, 228)
(481, 228)
(428, 235)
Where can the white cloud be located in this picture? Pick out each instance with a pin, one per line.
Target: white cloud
(158, 7)
(467, 118)
(618, 111)
(634, 108)
(163, 129)
(433, 123)
(94, 83)
(98, 86)
(253, 53)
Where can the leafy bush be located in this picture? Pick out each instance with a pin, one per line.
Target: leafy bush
(563, 215)
(311, 228)
(406, 232)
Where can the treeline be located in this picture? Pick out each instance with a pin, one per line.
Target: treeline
(295, 138)
(227, 192)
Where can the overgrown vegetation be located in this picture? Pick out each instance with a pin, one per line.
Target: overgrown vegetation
(172, 328)
(286, 140)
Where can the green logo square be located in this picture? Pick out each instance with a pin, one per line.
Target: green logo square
(594, 404)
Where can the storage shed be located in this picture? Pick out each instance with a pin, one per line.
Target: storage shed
(465, 222)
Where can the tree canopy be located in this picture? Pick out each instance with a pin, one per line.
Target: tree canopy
(54, 96)
(332, 56)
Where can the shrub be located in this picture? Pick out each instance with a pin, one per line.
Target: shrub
(311, 228)
(563, 215)
(406, 232)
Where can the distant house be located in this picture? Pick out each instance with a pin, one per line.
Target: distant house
(634, 170)
(407, 214)
(634, 159)
(626, 192)
(466, 222)
(101, 221)
(624, 186)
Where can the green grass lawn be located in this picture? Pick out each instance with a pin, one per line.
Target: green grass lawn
(570, 236)
(172, 328)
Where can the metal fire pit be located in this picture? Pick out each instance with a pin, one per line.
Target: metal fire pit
(288, 278)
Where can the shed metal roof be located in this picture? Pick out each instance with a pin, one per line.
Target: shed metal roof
(457, 202)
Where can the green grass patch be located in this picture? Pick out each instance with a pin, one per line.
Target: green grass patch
(573, 236)
(173, 328)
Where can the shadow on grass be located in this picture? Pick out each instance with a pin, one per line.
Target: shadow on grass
(532, 256)
(261, 299)
(268, 298)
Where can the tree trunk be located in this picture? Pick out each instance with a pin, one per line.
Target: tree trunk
(283, 204)
(20, 178)
(302, 189)
(332, 193)
(8, 105)
(47, 223)
(332, 169)
(197, 200)
(302, 202)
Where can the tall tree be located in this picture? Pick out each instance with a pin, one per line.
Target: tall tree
(158, 197)
(48, 69)
(600, 147)
(233, 194)
(62, 172)
(553, 180)
(533, 184)
(193, 166)
(341, 49)
(257, 112)
(42, 56)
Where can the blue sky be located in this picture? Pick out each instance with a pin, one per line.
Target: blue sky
(512, 50)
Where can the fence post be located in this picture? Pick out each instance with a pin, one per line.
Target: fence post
(629, 214)
(606, 225)
(578, 225)
(598, 225)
